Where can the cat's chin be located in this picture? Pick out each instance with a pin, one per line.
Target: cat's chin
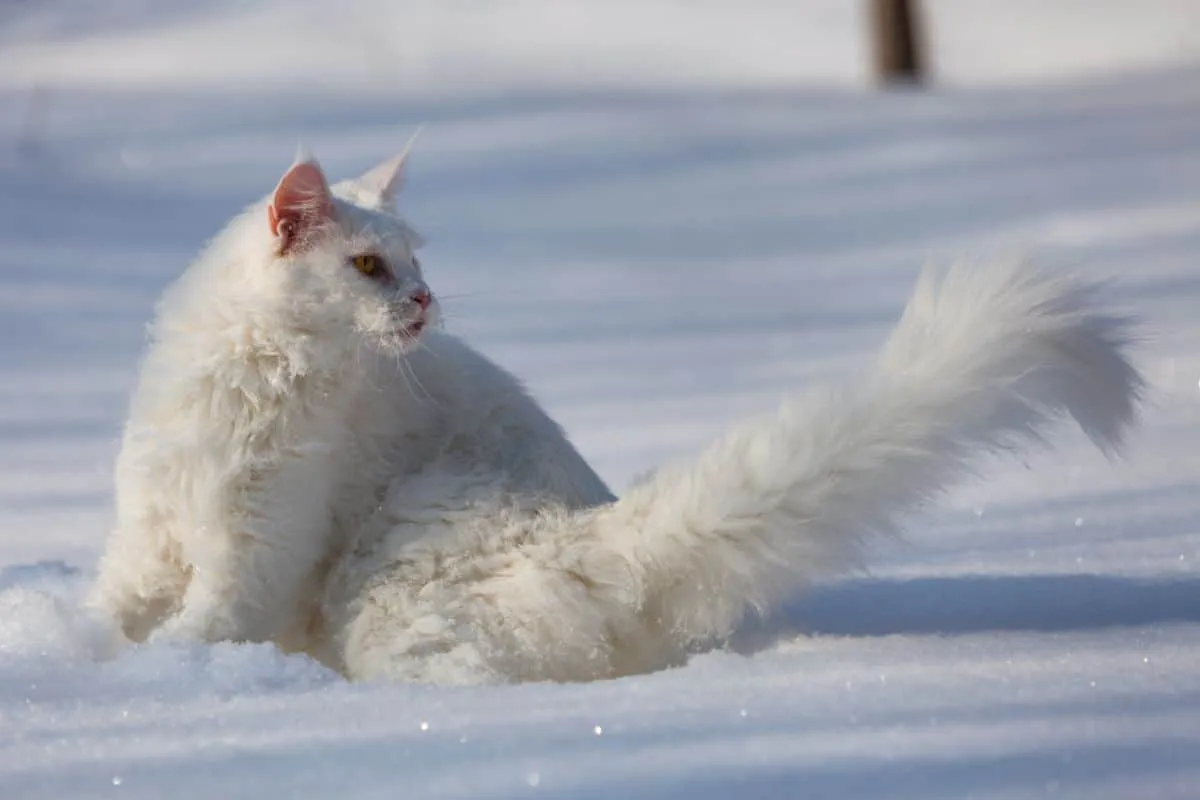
(403, 339)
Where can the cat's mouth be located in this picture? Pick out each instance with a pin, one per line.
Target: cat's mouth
(414, 329)
(410, 328)
(403, 328)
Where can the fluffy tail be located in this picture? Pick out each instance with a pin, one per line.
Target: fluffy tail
(982, 360)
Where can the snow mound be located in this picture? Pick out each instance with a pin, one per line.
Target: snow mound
(51, 647)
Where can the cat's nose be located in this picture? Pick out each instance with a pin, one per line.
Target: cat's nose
(421, 297)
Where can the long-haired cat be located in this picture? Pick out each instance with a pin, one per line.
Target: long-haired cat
(309, 460)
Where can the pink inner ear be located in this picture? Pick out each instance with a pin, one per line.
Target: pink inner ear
(302, 202)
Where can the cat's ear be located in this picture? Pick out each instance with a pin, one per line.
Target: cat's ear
(301, 206)
(383, 182)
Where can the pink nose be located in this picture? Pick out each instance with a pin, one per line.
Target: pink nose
(422, 297)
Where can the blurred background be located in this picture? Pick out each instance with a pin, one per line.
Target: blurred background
(662, 214)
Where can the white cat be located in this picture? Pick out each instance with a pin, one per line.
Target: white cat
(308, 461)
(277, 403)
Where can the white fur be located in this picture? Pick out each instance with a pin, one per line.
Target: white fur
(289, 473)
(274, 407)
(520, 588)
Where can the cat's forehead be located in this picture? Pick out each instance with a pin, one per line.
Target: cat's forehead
(383, 227)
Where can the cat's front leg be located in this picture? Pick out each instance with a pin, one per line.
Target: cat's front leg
(253, 594)
(140, 582)
(249, 577)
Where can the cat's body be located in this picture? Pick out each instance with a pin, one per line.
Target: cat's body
(261, 436)
(298, 468)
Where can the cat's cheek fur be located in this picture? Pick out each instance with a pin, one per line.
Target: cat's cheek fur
(394, 331)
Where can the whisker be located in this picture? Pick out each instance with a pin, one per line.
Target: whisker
(373, 384)
(413, 372)
(460, 295)
(421, 345)
(404, 375)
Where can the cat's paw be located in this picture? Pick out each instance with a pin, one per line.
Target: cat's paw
(191, 625)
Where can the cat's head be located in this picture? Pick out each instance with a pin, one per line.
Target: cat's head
(341, 263)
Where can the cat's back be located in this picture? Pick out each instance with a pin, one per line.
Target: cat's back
(489, 418)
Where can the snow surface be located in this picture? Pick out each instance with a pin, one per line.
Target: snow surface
(663, 216)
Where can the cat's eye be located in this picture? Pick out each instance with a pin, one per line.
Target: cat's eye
(369, 264)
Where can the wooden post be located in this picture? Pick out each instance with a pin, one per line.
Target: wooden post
(897, 41)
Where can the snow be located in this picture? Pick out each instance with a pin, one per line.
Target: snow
(662, 218)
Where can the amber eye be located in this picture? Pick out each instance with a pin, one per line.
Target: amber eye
(369, 264)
